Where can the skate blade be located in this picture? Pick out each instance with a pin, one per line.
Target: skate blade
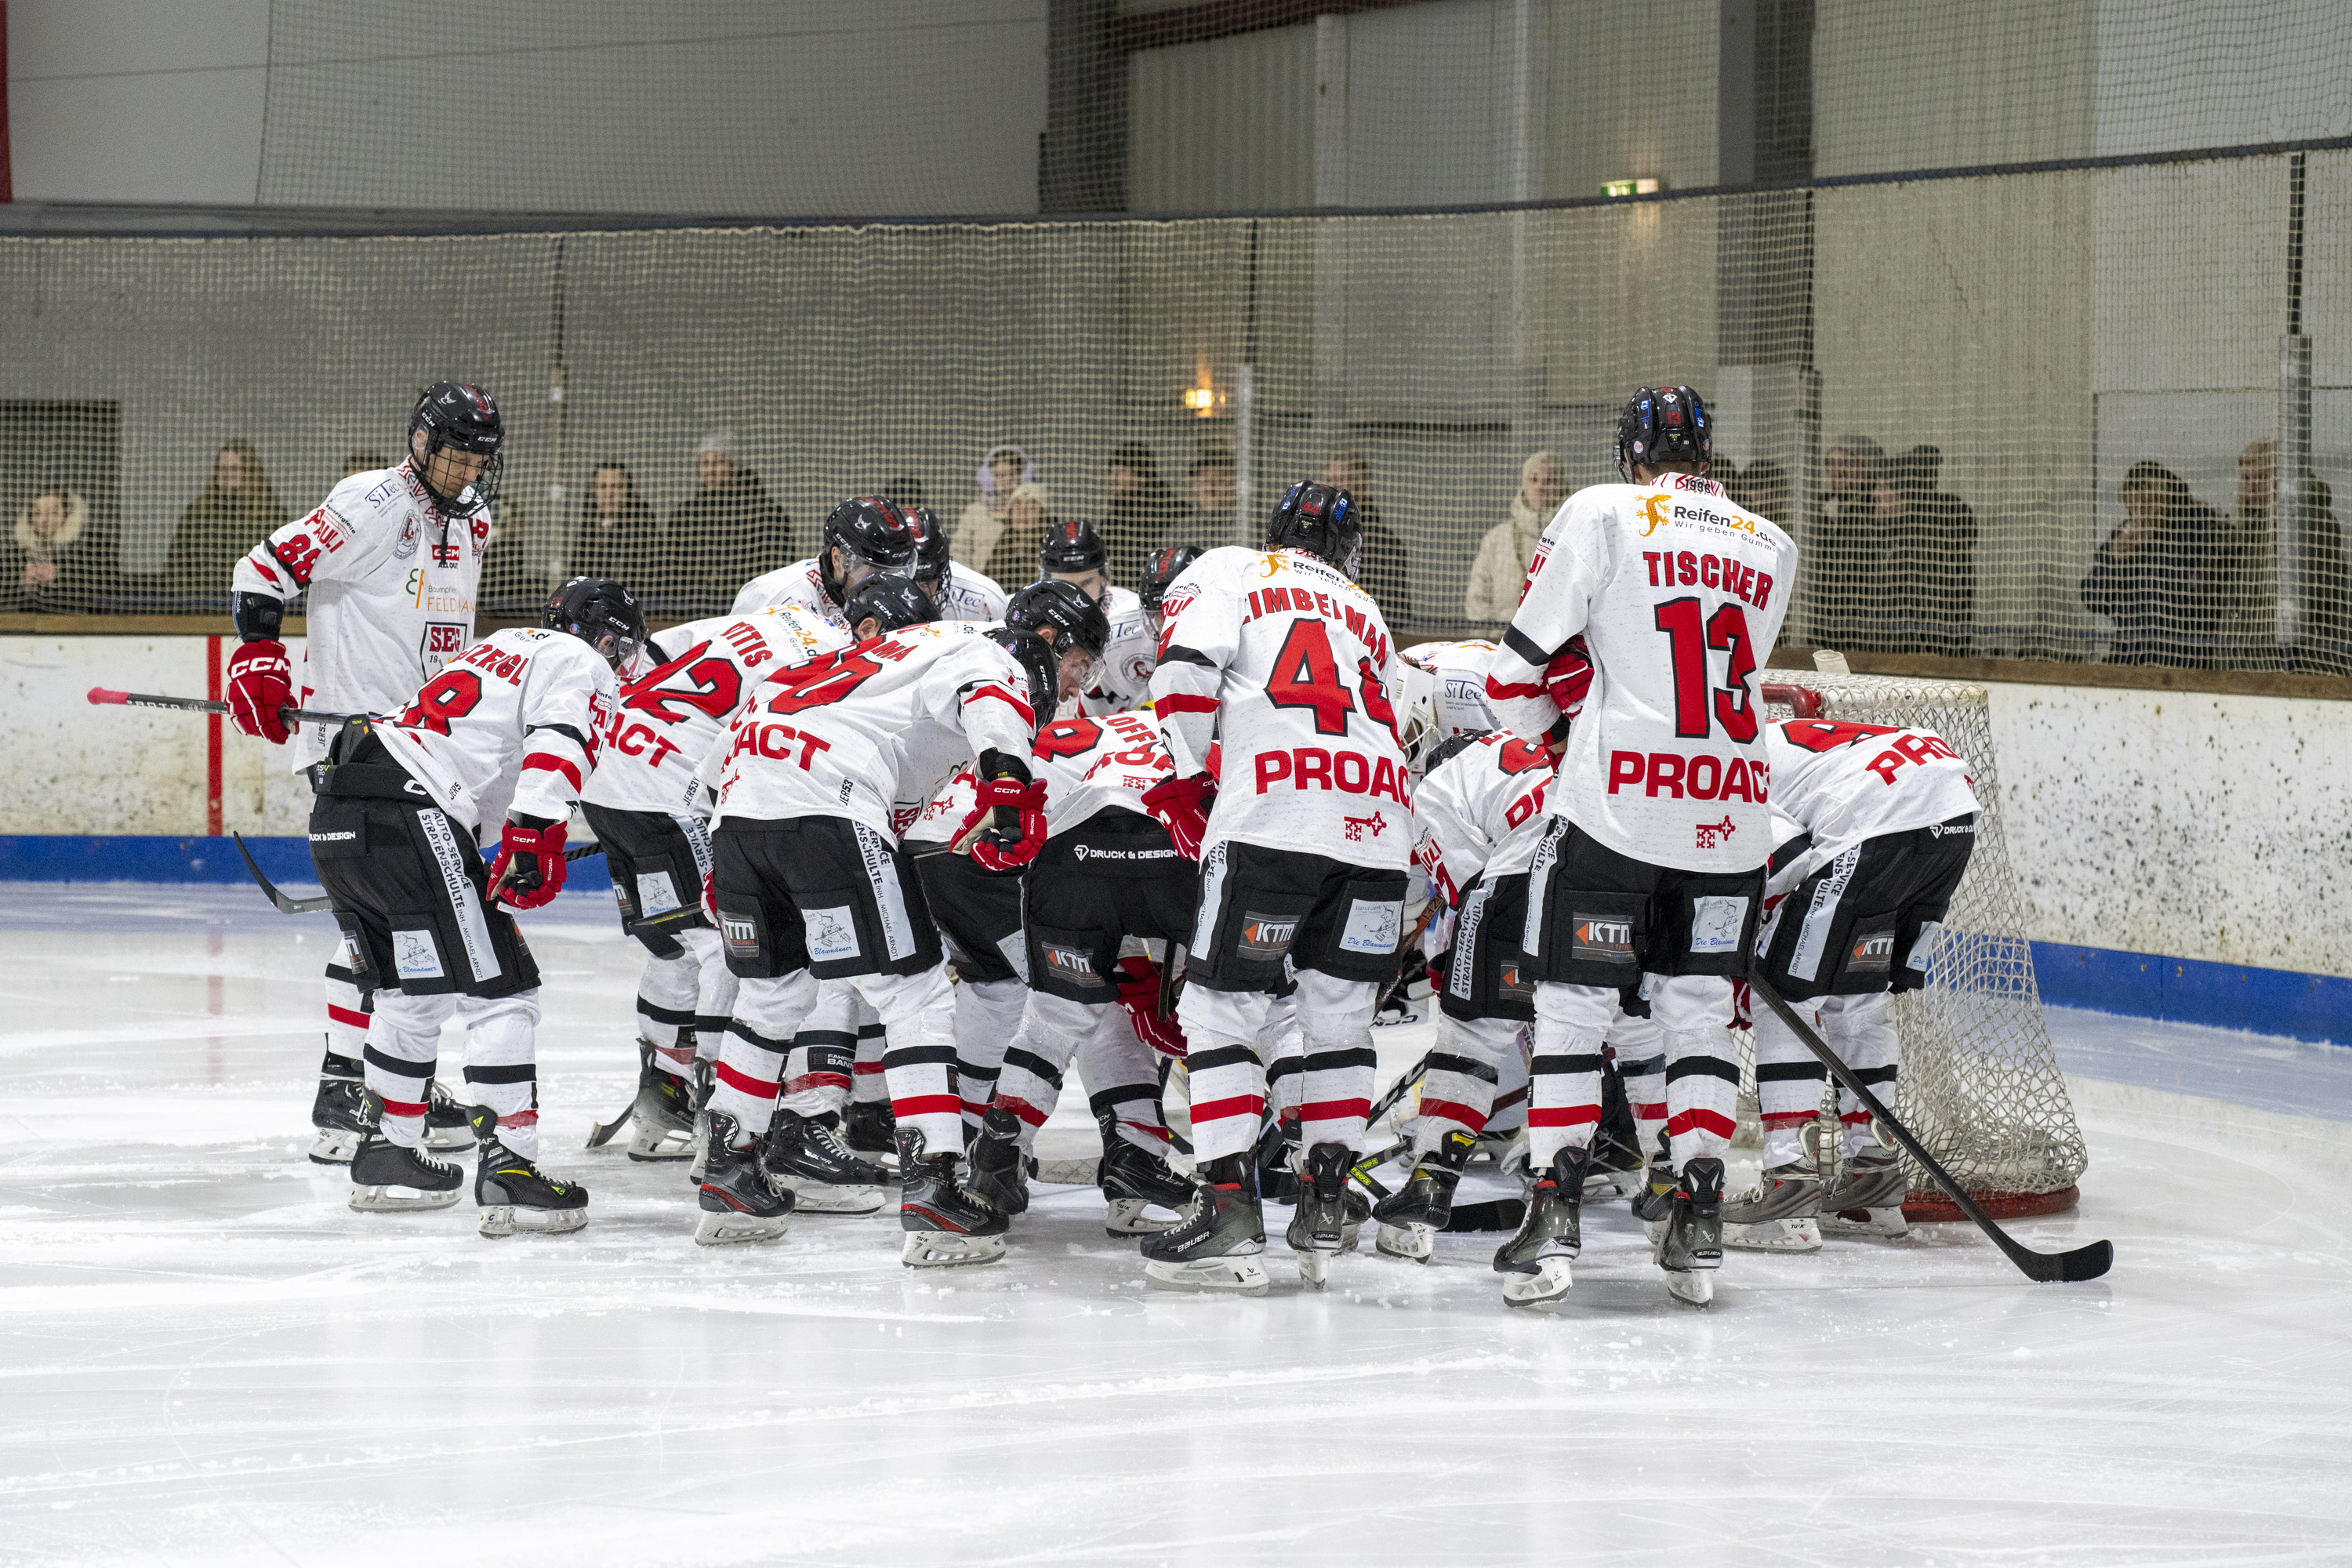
(1315, 1269)
(657, 1143)
(1550, 1281)
(1694, 1286)
(1886, 1222)
(730, 1230)
(511, 1219)
(1773, 1236)
(1125, 1217)
(447, 1138)
(1655, 1229)
(820, 1197)
(333, 1146)
(401, 1200)
(1413, 1242)
(1239, 1273)
(949, 1250)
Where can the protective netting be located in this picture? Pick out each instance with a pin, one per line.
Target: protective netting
(1980, 1085)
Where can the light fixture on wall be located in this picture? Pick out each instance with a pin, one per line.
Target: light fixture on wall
(1638, 188)
(1201, 396)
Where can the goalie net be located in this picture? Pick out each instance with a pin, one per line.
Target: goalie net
(1980, 1085)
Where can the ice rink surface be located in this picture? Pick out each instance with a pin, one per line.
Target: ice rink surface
(208, 1358)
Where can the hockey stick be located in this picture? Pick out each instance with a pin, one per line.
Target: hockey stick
(290, 905)
(2083, 1263)
(101, 697)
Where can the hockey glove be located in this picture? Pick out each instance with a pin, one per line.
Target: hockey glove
(1016, 833)
(1138, 992)
(1569, 677)
(529, 869)
(259, 684)
(1183, 807)
(711, 897)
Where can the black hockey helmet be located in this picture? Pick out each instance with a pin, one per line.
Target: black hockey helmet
(454, 413)
(1663, 425)
(868, 530)
(1038, 663)
(1072, 544)
(1451, 747)
(1065, 609)
(600, 613)
(930, 547)
(893, 598)
(1319, 519)
(1164, 567)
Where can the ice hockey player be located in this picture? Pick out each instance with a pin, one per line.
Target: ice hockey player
(1450, 679)
(810, 883)
(1651, 866)
(504, 736)
(962, 593)
(861, 535)
(387, 566)
(1875, 825)
(680, 696)
(1110, 873)
(1073, 552)
(1303, 851)
(1164, 567)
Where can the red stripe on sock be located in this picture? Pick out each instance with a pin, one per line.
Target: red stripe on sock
(1855, 1119)
(1335, 1109)
(926, 1105)
(809, 1081)
(1251, 1105)
(1650, 1112)
(1785, 1119)
(1447, 1110)
(1713, 1122)
(520, 1119)
(345, 1016)
(865, 1068)
(744, 1083)
(1562, 1115)
(1022, 1109)
(405, 1107)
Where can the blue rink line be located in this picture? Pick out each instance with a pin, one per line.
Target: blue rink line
(46, 857)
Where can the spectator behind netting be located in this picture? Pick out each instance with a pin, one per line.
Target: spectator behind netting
(2326, 647)
(1142, 515)
(2149, 576)
(54, 564)
(1841, 562)
(236, 511)
(908, 492)
(1003, 473)
(1210, 523)
(1381, 569)
(1764, 490)
(616, 535)
(2242, 579)
(720, 537)
(1501, 568)
(1014, 560)
(363, 463)
(1930, 541)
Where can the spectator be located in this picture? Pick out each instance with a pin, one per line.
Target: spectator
(1004, 472)
(1211, 520)
(1142, 514)
(1841, 561)
(1937, 557)
(511, 584)
(2148, 576)
(1764, 490)
(51, 567)
(363, 463)
(1501, 569)
(236, 511)
(2243, 577)
(616, 535)
(1725, 472)
(1380, 572)
(1012, 561)
(2326, 647)
(725, 533)
(908, 492)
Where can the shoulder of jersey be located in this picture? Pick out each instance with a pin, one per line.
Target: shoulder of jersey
(377, 494)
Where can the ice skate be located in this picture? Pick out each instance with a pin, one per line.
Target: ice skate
(1868, 1198)
(805, 1156)
(869, 1128)
(1133, 1180)
(664, 1113)
(704, 1078)
(1691, 1247)
(1782, 1213)
(946, 1225)
(1412, 1216)
(447, 1126)
(1654, 1200)
(1534, 1263)
(391, 1178)
(1320, 1218)
(1219, 1246)
(1276, 1158)
(516, 1197)
(738, 1202)
(998, 1176)
(339, 1115)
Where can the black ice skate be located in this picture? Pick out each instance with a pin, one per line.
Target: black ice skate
(1318, 1221)
(1412, 1216)
(391, 1178)
(1692, 1248)
(446, 1125)
(1782, 1213)
(1655, 1199)
(1219, 1244)
(663, 1111)
(869, 1128)
(704, 1079)
(1133, 1180)
(739, 1202)
(805, 1156)
(946, 1225)
(515, 1195)
(998, 1176)
(1534, 1263)
(1868, 1198)
(339, 1114)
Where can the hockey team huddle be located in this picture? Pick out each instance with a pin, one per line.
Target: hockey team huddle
(903, 848)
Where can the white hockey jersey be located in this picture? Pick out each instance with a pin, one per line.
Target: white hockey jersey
(1844, 783)
(1091, 765)
(1460, 671)
(693, 680)
(970, 595)
(1481, 812)
(881, 721)
(1123, 677)
(1679, 594)
(1289, 664)
(516, 722)
(800, 585)
(390, 583)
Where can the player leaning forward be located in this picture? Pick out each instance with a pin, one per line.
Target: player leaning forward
(1283, 660)
(507, 733)
(1651, 866)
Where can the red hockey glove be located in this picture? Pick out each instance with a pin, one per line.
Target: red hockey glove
(1008, 846)
(259, 684)
(529, 869)
(711, 897)
(1138, 992)
(1569, 677)
(1183, 807)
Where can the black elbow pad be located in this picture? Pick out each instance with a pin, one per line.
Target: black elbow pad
(996, 765)
(259, 617)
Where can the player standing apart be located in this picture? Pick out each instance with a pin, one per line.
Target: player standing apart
(1651, 867)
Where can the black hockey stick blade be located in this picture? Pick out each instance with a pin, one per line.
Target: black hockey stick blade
(286, 906)
(1496, 1213)
(581, 851)
(2067, 1267)
(601, 1132)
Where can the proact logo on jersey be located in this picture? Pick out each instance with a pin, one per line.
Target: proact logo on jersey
(1600, 939)
(1265, 938)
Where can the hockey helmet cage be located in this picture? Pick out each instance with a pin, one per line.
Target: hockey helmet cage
(1319, 519)
(1164, 567)
(1663, 425)
(931, 554)
(868, 530)
(893, 599)
(1417, 711)
(456, 415)
(1064, 608)
(1451, 747)
(1038, 663)
(1072, 544)
(600, 613)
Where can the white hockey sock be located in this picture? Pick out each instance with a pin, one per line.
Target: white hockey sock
(404, 1043)
(819, 1068)
(1122, 1079)
(987, 1015)
(1052, 1030)
(1458, 1088)
(918, 1014)
(750, 1069)
(502, 1070)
